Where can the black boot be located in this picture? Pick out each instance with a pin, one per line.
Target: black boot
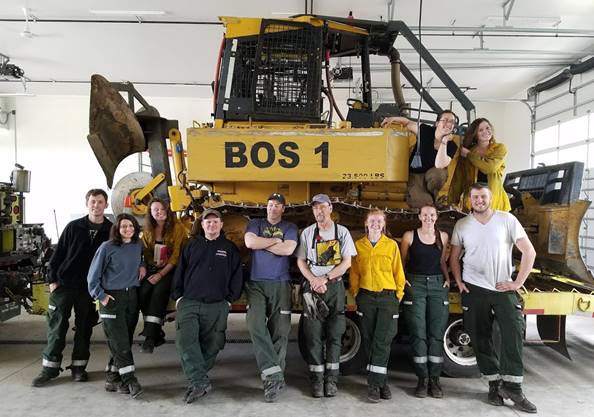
(494, 398)
(45, 376)
(79, 373)
(421, 389)
(513, 391)
(435, 387)
(385, 392)
(331, 386)
(317, 384)
(148, 346)
(373, 393)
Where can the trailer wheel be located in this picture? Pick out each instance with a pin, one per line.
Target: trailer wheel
(459, 360)
(352, 358)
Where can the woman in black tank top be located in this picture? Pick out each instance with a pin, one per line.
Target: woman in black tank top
(426, 299)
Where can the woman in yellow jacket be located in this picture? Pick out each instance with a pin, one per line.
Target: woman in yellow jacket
(377, 281)
(482, 160)
(165, 233)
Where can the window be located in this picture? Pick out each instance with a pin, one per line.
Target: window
(573, 131)
(547, 138)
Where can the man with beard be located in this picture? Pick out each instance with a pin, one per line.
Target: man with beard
(487, 237)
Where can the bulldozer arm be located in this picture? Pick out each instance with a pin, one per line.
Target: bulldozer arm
(114, 131)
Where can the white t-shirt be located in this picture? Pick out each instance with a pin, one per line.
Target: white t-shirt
(312, 254)
(487, 257)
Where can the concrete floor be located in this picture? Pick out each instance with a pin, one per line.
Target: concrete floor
(558, 386)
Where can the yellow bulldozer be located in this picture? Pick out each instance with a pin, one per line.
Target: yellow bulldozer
(277, 128)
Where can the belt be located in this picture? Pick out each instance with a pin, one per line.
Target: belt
(378, 292)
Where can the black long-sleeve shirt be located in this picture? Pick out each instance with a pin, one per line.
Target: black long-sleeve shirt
(80, 239)
(208, 271)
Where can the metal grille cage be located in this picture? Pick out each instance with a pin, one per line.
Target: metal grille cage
(287, 78)
(244, 69)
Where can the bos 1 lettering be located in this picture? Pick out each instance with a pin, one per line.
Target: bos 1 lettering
(264, 154)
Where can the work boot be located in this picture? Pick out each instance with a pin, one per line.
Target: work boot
(135, 388)
(421, 389)
(160, 339)
(112, 380)
(330, 386)
(435, 387)
(385, 393)
(123, 388)
(513, 391)
(317, 384)
(272, 389)
(197, 392)
(494, 398)
(148, 345)
(45, 376)
(79, 374)
(373, 394)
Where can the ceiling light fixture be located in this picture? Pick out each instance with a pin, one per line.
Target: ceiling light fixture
(26, 33)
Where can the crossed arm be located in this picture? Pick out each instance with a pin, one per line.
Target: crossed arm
(271, 244)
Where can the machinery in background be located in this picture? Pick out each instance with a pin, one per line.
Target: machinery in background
(272, 132)
(24, 251)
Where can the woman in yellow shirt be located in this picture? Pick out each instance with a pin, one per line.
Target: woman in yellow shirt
(482, 160)
(426, 300)
(377, 281)
(163, 229)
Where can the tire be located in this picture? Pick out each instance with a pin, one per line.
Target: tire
(459, 358)
(352, 358)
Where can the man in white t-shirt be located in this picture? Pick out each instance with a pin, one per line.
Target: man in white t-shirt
(324, 255)
(487, 237)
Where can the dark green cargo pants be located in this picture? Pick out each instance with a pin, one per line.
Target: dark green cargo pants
(378, 312)
(61, 303)
(120, 317)
(200, 336)
(331, 329)
(269, 323)
(481, 307)
(153, 300)
(426, 309)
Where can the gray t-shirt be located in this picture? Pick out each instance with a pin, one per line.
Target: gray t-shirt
(487, 248)
(320, 251)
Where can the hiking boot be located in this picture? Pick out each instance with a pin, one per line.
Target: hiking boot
(122, 388)
(385, 393)
(79, 374)
(317, 385)
(435, 387)
(513, 391)
(197, 392)
(421, 389)
(134, 388)
(373, 394)
(330, 387)
(148, 346)
(112, 380)
(494, 398)
(272, 389)
(44, 377)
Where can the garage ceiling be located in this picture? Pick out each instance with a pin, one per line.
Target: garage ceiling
(178, 59)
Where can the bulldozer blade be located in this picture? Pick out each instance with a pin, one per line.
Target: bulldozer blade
(552, 333)
(114, 131)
